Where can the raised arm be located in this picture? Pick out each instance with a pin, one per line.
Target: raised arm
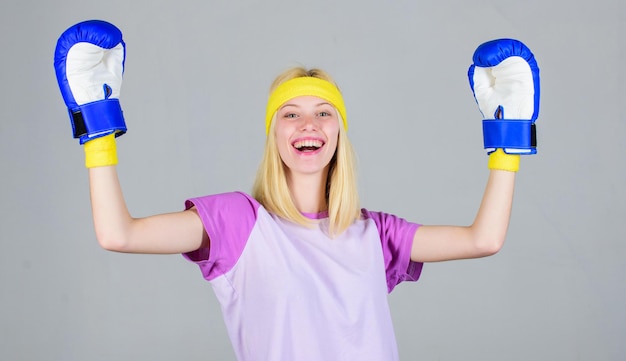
(89, 63)
(505, 82)
(483, 238)
(117, 231)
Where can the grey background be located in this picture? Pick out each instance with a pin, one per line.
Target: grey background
(194, 92)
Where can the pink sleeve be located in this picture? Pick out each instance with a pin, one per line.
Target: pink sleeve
(396, 238)
(228, 219)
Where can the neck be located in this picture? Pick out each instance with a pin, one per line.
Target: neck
(308, 191)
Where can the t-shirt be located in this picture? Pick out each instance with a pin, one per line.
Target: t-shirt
(289, 292)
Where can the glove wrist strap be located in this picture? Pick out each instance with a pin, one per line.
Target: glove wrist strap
(517, 134)
(101, 152)
(97, 118)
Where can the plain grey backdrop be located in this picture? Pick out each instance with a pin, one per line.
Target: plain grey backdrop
(194, 92)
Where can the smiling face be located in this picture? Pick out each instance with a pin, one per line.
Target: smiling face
(306, 129)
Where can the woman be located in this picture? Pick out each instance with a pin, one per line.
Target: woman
(300, 270)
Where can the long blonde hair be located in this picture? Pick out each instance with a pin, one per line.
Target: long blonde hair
(270, 186)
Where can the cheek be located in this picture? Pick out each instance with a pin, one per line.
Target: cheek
(282, 150)
(333, 147)
(282, 129)
(282, 140)
(333, 137)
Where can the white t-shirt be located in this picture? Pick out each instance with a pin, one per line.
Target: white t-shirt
(290, 292)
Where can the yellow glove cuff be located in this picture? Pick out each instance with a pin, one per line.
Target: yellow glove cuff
(502, 161)
(101, 152)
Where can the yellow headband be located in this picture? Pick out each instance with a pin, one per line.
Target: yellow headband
(307, 85)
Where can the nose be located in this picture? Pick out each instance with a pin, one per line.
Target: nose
(309, 122)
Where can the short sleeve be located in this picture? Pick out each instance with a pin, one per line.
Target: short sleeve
(228, 219)
(396, 237)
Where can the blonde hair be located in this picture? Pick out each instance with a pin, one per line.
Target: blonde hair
(270, 186)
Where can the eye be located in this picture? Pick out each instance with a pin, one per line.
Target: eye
(290, 115)
(324, 114)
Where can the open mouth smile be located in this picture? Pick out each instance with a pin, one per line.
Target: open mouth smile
(308, 145)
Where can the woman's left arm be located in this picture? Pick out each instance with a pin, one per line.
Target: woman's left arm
(483, 238)
(504, 78)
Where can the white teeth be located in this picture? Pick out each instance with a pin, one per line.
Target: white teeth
(308, 143)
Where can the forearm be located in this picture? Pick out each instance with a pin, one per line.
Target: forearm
(112, 221)
(492, 219)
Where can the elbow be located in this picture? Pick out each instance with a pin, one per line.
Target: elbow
(112, 242)
(487, 240)
(489, 246)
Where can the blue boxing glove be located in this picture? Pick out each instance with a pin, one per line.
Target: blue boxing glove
(89, 63)
(504, 77)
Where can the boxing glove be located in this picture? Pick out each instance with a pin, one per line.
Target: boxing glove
(89, 63)
(504, 78)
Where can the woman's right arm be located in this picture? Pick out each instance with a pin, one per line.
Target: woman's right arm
(116, 230)
(89, 62)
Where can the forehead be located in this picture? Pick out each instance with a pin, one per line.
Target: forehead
(305, 101)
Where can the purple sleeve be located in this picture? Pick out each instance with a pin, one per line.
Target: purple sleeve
(228, 219)
(396, 238)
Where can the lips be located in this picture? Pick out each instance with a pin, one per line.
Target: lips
(308, 145)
